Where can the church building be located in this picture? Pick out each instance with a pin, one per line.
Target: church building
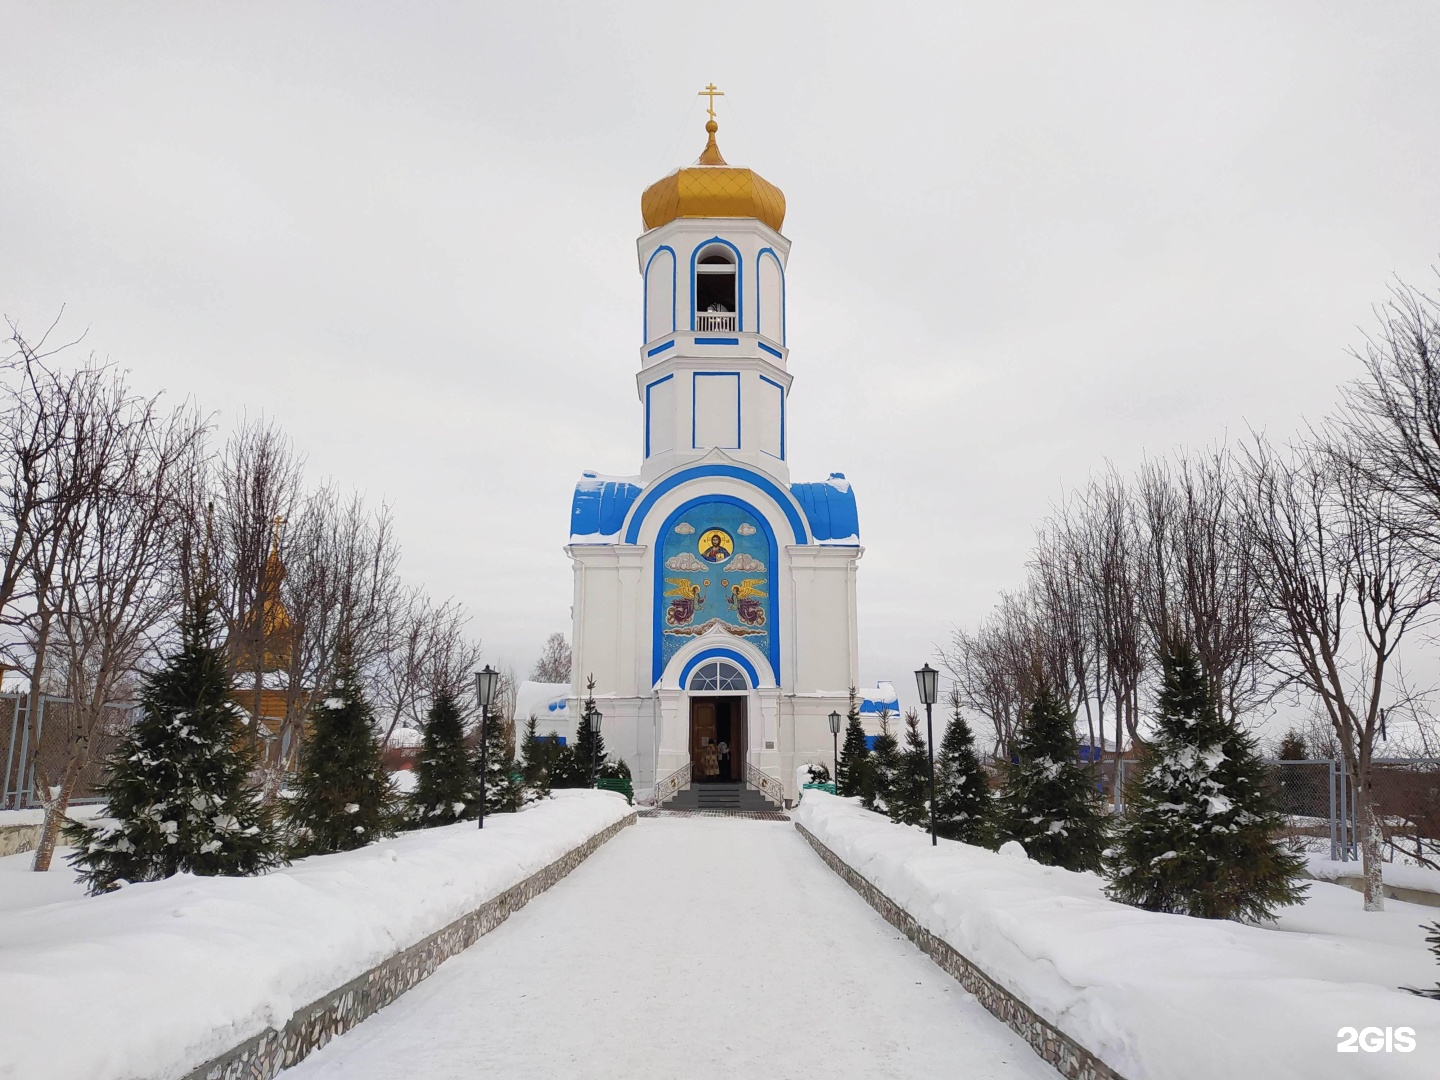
(714, 597)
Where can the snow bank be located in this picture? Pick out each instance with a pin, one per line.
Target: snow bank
(1157, 997)
(1400, 875)
(158, 978)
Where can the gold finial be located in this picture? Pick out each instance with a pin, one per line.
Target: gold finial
(278, 527)
(711, 93)
(711, 154)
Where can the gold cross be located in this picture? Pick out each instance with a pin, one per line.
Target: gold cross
(712, 94)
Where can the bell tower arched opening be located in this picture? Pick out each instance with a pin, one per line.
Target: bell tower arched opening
(716, 306)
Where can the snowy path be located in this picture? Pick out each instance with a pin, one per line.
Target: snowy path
(691, 947)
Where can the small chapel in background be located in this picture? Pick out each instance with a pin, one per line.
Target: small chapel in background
(714, 597)
(261, 645)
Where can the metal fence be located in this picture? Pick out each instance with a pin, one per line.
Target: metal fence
(53, 733)
(1319, 800)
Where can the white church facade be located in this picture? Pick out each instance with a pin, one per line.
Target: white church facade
(714, 598)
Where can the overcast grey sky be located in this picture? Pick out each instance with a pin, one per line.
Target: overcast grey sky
(1024, 242)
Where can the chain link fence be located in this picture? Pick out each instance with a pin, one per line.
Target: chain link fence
(1318, 798)
(54, 730)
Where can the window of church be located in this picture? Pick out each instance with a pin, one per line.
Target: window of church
(717, 676)
(715, 307)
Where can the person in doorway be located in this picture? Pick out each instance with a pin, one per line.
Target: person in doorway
(724, 750)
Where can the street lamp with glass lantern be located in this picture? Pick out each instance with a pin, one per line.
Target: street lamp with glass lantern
(835, 738)
(594, 715)
(486, 679)
(928, 680)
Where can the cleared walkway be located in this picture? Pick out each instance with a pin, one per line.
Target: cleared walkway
(693, 947)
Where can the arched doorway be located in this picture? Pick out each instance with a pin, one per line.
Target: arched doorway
(718, 693)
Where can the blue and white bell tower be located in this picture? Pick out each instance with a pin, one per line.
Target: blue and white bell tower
(714, 599)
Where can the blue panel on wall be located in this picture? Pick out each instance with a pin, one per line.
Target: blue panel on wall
(597, 513)
(715, 571)
(830, 509)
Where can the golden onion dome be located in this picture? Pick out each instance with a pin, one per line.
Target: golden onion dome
(712, 189)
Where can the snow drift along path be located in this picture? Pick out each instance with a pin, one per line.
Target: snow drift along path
(695, 947)
(1160, 997)
(157, 978)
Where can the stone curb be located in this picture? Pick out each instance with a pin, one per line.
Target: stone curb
(1068, 1057)
(263, 1056)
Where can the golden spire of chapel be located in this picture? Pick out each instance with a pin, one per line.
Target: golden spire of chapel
(711, 187)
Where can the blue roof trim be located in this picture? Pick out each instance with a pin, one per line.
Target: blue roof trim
(873, 707)
(830, 509)
(599, 509)
(749, 476)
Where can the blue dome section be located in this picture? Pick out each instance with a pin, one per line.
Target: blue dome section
(830, 508)
(597, 513)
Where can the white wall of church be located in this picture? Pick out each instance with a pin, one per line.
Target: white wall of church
(760, 254)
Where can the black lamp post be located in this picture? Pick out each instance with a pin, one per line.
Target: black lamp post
(928, 680)
(594, 715)
(835, 737)
(485, 681)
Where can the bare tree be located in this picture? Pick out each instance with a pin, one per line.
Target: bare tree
(105, 574)
(1198, 572)
(1342, 589)
(426, 651)
(554, 663)
(1392, 415)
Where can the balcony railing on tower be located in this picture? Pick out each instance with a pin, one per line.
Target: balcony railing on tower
(707, 322)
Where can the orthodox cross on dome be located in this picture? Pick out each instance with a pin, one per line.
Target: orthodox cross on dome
(711, 93)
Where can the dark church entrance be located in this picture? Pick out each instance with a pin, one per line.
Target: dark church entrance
(717, 739)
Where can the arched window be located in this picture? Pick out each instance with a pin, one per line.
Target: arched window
(715, 307)
(717, 675)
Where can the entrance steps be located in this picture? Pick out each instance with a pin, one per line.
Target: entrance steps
(733, 796)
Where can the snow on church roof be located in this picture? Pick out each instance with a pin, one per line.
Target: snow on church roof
(597, 513)
(544, 701)
(881, 698)
(601, 504)
(830, 509)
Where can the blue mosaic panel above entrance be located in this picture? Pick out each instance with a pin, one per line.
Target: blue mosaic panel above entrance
(715, 572)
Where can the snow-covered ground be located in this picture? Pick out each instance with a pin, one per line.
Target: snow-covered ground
(688, 947)
(157, 978)
(1161, 997)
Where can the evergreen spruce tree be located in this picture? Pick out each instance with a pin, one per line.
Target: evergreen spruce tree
(962, 790)
(343, 799)
(1050, 803)
(589, 744)
(850, 778)
(446, 787)
(1200, 820)
(1433, 940)
(911, 804)
(178, 783)
(881, 768)
(504, 785)
(536, 762)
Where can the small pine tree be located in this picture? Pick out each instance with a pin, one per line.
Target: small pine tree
(850, 778)
(1050, 803)
(504, 786)
(343, 799)
(446, 787)
(911, 804)
(1433, 940)
(536, 762)
(177, 788)
(962, 790)
(564, 765)
(1198, 836)
(1292, 746)
(881, 769)
(589, 744)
